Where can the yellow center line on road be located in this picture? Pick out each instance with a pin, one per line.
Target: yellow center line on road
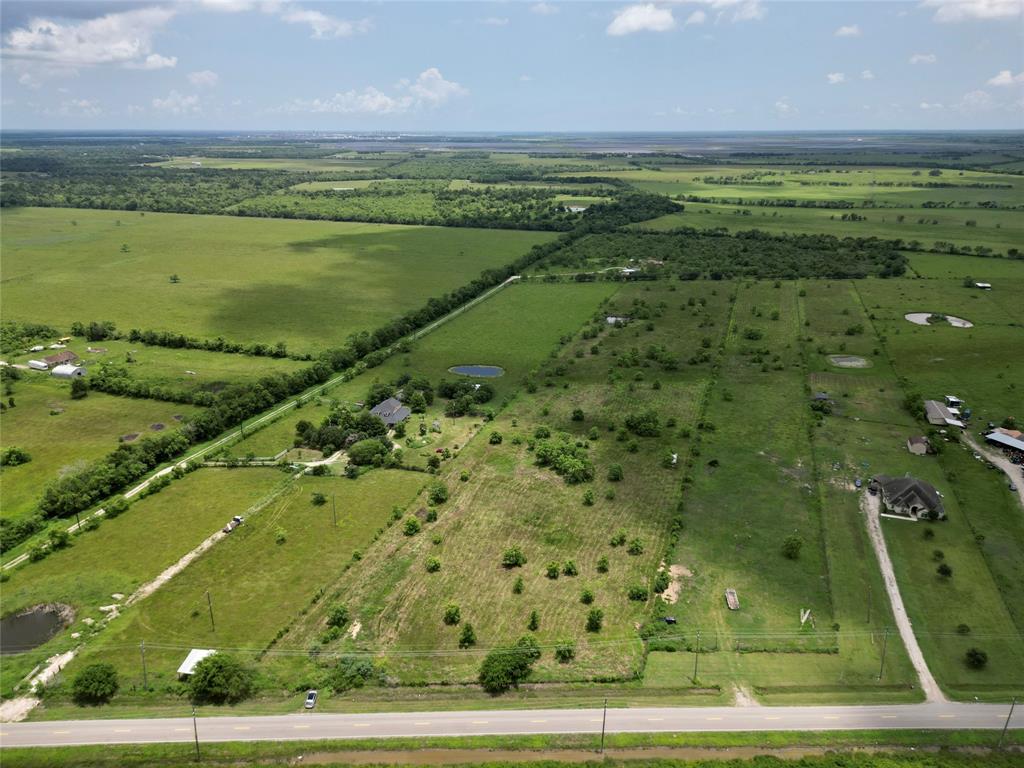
(480, 722)
(773, 717)
(889, 717)
(426, 722)
(360, 725)
(538, 721)
(57, 733)
(183, 729)
(300, 726)
(831, 717)
(654, 719)
(712, 718)
(122, 730)
(947, 716)
(595, 719)
(242, 728)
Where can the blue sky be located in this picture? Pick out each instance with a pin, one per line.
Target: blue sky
(689, 65)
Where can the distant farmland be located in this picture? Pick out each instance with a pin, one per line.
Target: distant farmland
(309, 284)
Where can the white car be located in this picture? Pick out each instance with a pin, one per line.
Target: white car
(310, 699)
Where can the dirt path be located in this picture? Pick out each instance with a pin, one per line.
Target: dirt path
(870, 506)
(16, 709)
(1011, 470)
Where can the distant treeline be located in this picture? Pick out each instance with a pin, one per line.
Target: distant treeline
(780, 202)
(717, 254)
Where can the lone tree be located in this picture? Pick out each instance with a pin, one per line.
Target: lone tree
(79, 389)
(513, 557)
(791, 547)
(976, 658)
(468, 637)
(505, 668)
(220, 679)
(96, 684)
(944, 570)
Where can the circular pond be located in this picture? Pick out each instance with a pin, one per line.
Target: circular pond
(28, 629)
(849, 361)
(479, 371)
(934, 318)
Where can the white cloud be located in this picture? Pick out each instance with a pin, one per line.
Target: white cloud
(975, 101)
(228, 6)
(117, 38)
(81, 107)
(733, 10)
(29, 80)
(525, 79)
(1006, 77)
(494, 21)
(929, 106)
(697, 17)
(867, 74)
(203, 78)
(947, 11)
(784, 109)
(923, 58)
(325, 27)
(643, 17)
(156, 61)
(177, 104)
(544, 9)
(850, 30)
(835, 78)
(428, 90)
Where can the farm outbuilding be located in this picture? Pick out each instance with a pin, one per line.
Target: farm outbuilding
(940, 415)
(68, 371)
(188, 666)
(38, 365)
(1005, 441)
(67, 356)
(917, 445)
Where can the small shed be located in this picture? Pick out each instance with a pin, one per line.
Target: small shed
(188, 666)
(918, 445)
(38, 365)
(732, 599)
(68, 371)
(984, 286)
(67, 356)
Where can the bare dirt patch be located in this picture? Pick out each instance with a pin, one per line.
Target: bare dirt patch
(849, 361)
(678, 573)
(925, 318)
(130, 437)
(157, 427)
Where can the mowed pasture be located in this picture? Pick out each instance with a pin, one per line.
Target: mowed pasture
(62, 434)
(351, 164)
(261, 577)
(129, 551)
(994, 229)
(980, 269)
(308, 284)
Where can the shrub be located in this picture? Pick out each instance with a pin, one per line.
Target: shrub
(534, 623)
(220, 679)
(938, 555)
(452, 615)
(570, 569)
(577, 414)
(791, 547)
(280, 535)
(318, 499)
(337, 615)
(618, 539)
(587, 596)
(588, 497)
(602, 565)
(504, 668)
(595, 618)
(944, 570)
(517, 586)
(438, 493)
(14, 456)
(495, 438)
(351, 672)
(513, 557)
(662, 581)
(96, 684)
(412, 526)
(643, 424)
(464, 477)
(542, 432)
(433, 564)
(117, 507)
(468, 637)
(638, 592)
(963, 629)
(636, 547)
(565, 651)
(615, 473)
(366, 451)
(552, 570)
(58, 538)
(976, 658)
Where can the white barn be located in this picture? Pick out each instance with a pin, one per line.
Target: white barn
(68, 371)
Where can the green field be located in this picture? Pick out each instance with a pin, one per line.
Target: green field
(997, 230)
(128, 551)
(308, 284)
(351, 164)
(62, 434)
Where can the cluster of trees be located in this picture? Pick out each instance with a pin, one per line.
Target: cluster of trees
(718, 255)
(17, 337)
(343, 429)
(420, 203)
(174, 340)
(566, 457)
(464, 396)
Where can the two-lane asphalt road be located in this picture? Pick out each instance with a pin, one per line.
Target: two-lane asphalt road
(310, 725)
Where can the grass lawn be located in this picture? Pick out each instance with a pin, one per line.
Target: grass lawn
(958, 267)
(280, 434)
(309, 284)
(61, 433)
(257, 583)
(128, 551)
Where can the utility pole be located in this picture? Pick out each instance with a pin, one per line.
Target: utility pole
(78, 521)
(1002, 735)
(209, 602)
(885, 642)
(604, 720)
(696, 656)
(145, 679)
(195, 730)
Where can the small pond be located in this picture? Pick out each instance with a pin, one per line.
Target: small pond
(480, 371)
(927, 318)
(24, 631)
